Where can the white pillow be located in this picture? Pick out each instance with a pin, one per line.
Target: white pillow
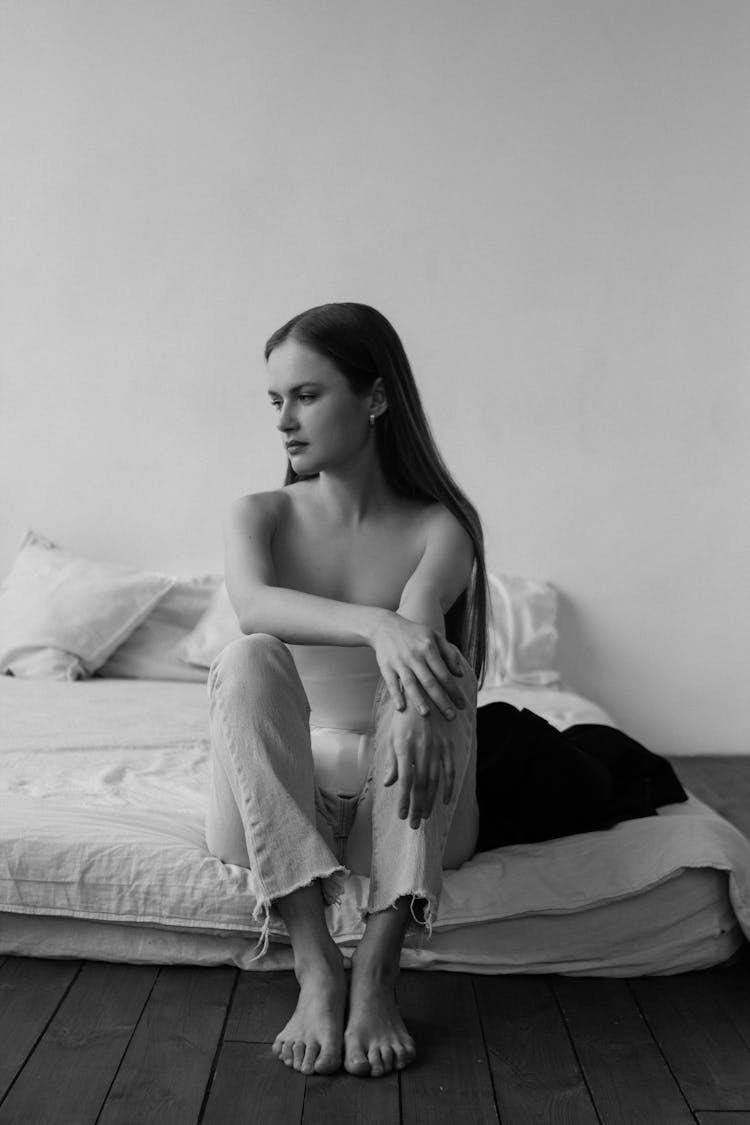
(522, 640)
(62, 615)
(152, 651)
(216, 629)
(523, 635)
(48, 664)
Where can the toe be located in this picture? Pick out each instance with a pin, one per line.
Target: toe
(399, 1056)
(328, 1061)
(356, 1060)
(287, 1056)
(310, 1058)
(376, 1062)
(386, 1054)
(277, 1047)
(404, 1053)
(298, 1054)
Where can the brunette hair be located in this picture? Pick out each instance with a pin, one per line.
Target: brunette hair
(363, 346)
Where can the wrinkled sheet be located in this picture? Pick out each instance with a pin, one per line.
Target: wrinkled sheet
(103, 787)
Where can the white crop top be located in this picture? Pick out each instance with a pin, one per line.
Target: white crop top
(340, 683)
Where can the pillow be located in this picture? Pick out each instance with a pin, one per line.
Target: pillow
(522, 638)
(217, 628)
(47, 664)
(152, 651)
(523, 633)
(62, 615)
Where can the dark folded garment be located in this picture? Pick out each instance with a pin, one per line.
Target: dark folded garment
(537, 783)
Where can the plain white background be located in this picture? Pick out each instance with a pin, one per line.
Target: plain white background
(548, 198)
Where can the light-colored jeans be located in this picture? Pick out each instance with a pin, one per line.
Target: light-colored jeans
(267, 813)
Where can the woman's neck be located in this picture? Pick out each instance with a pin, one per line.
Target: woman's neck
(354, 497)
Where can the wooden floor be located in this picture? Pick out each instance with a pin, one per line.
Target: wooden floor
(89, 1042)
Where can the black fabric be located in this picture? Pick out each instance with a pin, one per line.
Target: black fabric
(537, 783)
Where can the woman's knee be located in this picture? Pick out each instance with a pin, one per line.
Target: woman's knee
(467, 682)
(244, 659)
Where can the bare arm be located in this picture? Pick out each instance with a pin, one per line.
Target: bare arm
(421, 745)
(410, 646)
(442, 574)
(263, 607)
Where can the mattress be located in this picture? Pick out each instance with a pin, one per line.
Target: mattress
(102, 855)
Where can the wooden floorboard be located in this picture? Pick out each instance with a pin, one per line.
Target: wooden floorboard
(711, 1118)
(262, 1004)
(30, 993)
(535, 1070)
(164, 1073)
(109, 1044)
(450, 1079)
(698, 1037)
(251, 1087)
(69, 1073)
(624, 1068)
(344, 1097)
(723, 783)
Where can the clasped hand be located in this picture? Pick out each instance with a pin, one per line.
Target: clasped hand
(419, 667)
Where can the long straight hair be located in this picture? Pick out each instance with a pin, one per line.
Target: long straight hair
(363, 346)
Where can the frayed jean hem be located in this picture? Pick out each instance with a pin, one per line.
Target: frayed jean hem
(419, 928)
(332, 885)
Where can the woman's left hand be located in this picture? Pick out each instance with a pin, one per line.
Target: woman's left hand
(420, 749)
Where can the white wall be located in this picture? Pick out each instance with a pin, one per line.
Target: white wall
(550, 201)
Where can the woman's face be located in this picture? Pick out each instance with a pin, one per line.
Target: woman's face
(316, 406)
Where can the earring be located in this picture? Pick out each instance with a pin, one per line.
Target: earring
(372, 419)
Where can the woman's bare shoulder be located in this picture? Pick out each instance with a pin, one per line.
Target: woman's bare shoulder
(416, 516)
(272, 499)
(267, 505)
(436, 515)
(429, 517)
(445, 533)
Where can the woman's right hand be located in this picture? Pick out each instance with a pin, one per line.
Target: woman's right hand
(418, 664)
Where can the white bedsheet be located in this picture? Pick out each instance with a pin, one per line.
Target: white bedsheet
(103, 786)
(144, 743)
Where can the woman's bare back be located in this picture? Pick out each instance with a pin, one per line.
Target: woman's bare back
(369, 565)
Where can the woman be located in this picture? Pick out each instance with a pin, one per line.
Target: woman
(344, 720)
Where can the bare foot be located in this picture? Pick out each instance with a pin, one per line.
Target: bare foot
(376, 1039)
(312, 1040)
